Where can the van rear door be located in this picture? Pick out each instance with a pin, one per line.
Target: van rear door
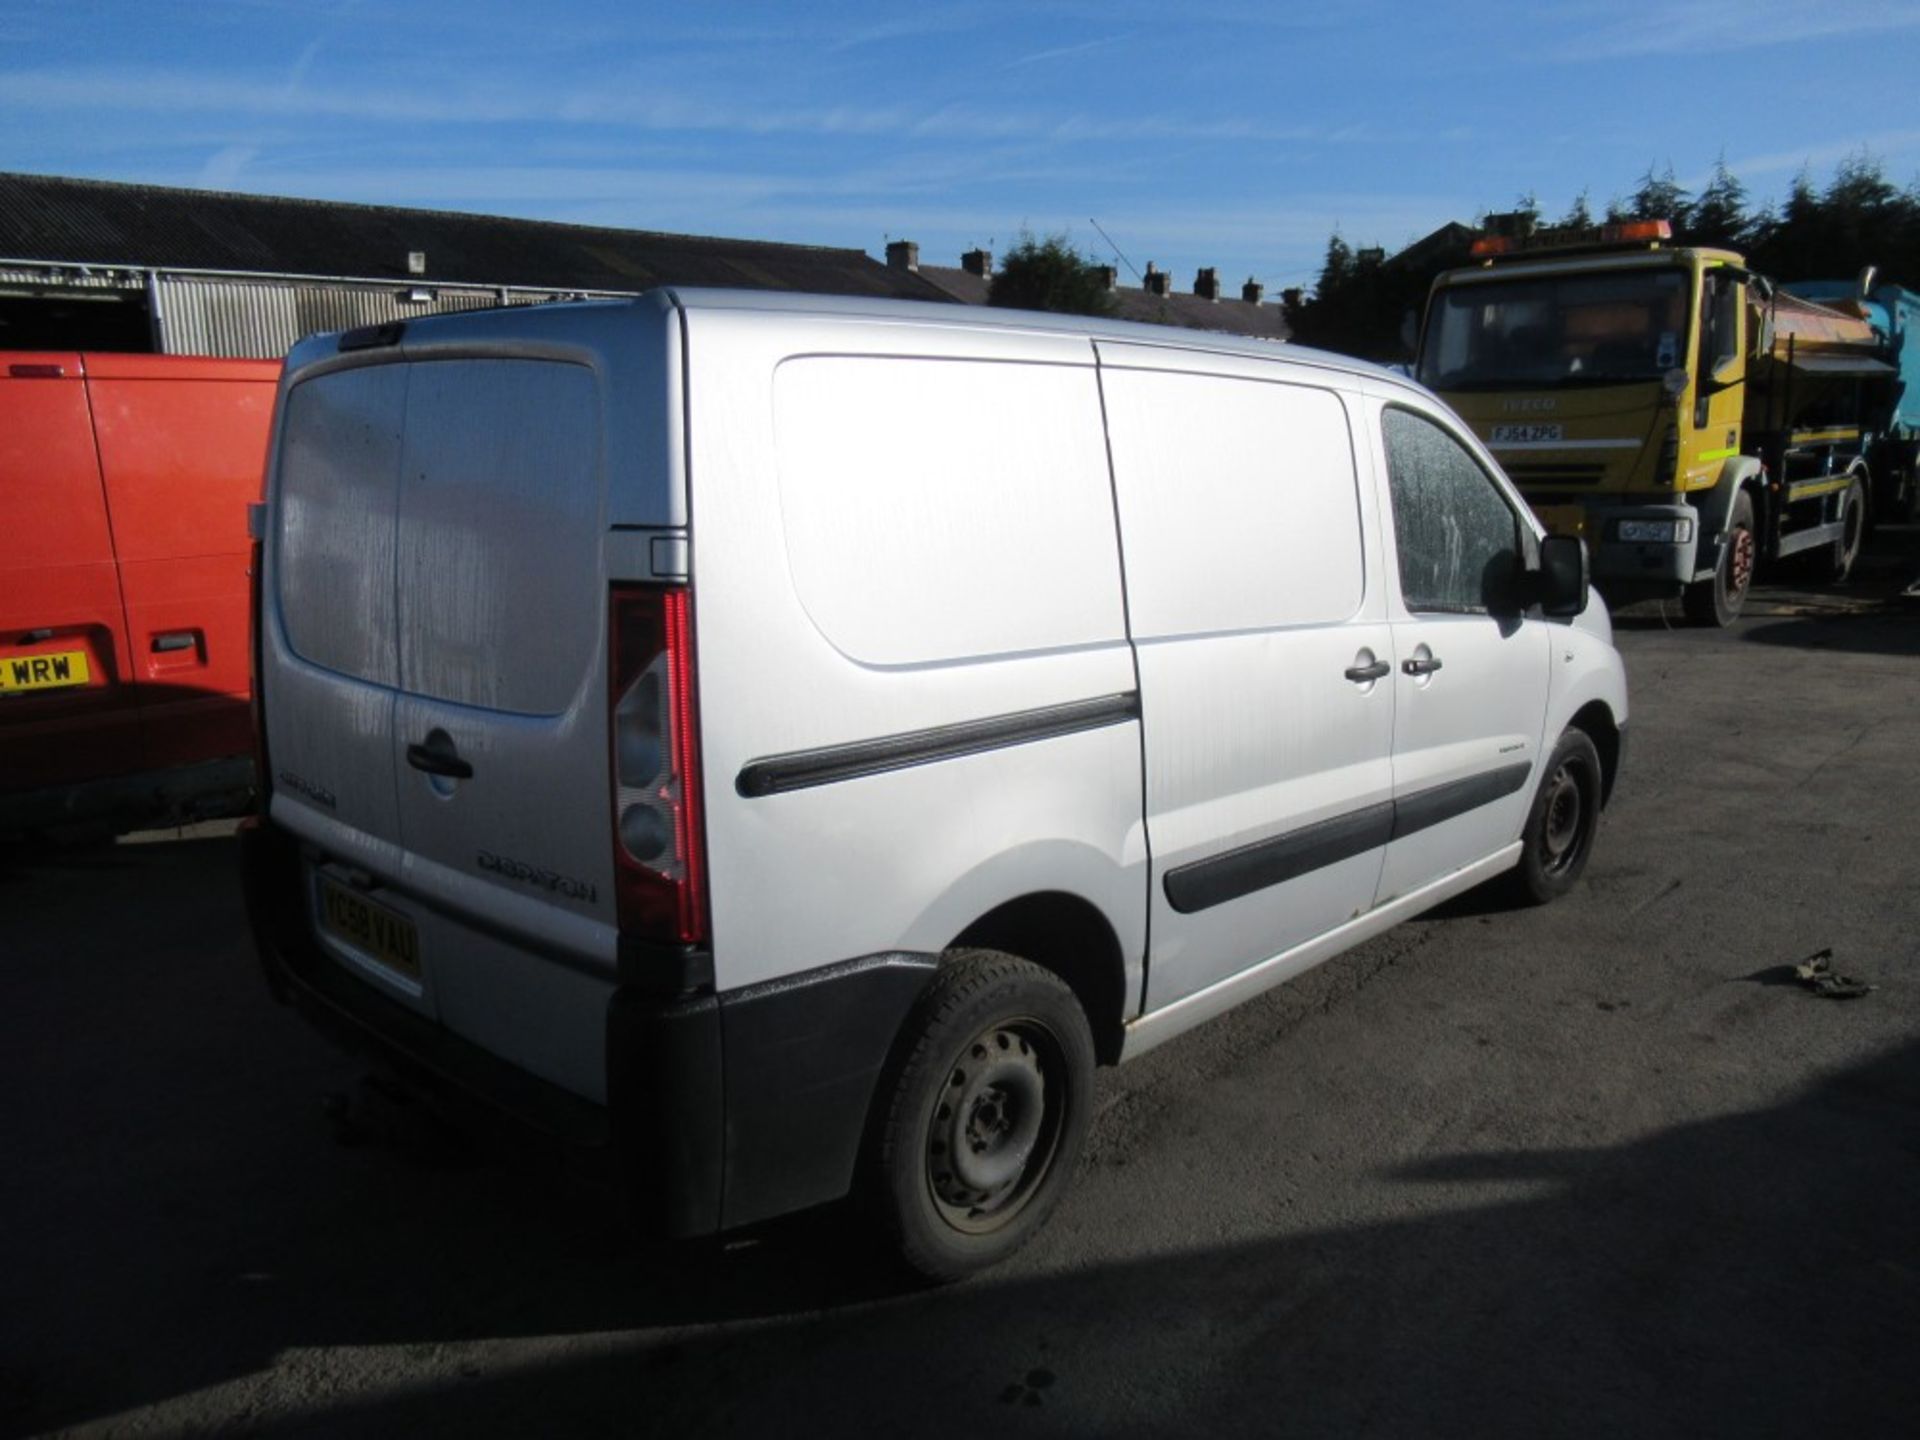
(66, 710)
(183, 441)
(439, 732)
(330, 666)
(500, 734)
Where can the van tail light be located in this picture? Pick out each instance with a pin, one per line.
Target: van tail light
(658, 837)
(257, 703)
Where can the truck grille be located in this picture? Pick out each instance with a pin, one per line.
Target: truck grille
(1540, 474)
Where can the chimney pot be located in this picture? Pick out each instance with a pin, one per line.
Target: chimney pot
(1206, 284)
(1252, 291)
(903, 255)
(977, 262)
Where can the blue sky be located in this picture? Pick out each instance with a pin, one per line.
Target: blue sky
(1196, 133)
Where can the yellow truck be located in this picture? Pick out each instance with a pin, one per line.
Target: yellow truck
(1686, 417)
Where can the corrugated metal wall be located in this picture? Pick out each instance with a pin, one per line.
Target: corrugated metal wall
(242, 318)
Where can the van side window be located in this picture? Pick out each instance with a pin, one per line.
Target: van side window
(1459, 540)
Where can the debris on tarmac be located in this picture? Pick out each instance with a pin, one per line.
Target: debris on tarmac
(1816, 972)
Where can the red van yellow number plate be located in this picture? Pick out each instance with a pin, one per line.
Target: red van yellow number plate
(55, 671)
(373, 930)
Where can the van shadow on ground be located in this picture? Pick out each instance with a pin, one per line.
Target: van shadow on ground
(1752, 1275)
(177, 1220)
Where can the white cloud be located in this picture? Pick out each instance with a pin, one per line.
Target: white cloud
(1060, 52)
(1889, 144)
(164, 92)
(1703, 27)
(225, 167)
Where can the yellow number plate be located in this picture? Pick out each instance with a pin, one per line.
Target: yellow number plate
(44, 672)
(373, 930)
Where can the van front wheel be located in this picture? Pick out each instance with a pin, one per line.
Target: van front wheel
(1560, 828)
(985, 1109)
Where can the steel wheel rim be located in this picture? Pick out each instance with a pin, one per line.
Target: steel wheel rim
(1740, 563)
(995, 1126)
(1561, 836)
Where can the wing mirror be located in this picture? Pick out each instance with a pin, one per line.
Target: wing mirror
(1563, 580)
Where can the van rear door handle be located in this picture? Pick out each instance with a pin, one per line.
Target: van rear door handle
(436, 761)
(1361, 674)
(1421, 667)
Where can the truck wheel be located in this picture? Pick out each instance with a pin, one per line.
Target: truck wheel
(1853, 530)
(1560, 828)
(987, 1101)
(1719, 601)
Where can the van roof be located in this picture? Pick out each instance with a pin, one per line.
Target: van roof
(986, 317)
(525, 318)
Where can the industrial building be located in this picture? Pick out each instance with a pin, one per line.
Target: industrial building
(95, 265)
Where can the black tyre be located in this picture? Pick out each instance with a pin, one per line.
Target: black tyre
(1718, 601)
(1561, 826)
(982, 1114)
(1838, 561)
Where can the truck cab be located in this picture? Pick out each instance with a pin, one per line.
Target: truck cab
(1680, 413)
(1607, 379)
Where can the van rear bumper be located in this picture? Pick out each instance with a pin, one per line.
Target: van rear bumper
(722, 1109)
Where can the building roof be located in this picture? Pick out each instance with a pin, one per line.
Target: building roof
(962, 285)
(1229, 316)
(1257, 319)
(53, 218)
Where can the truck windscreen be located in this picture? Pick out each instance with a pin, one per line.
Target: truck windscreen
(1552, 330)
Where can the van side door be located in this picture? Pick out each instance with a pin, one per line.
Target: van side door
(1471, 665)
(1259, 621)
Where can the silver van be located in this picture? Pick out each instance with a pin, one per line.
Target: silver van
(782, 745)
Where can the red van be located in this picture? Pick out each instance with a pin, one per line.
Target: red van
(124, 486)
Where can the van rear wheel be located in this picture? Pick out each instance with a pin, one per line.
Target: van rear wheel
(985, 1109)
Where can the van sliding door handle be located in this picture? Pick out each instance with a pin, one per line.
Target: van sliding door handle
(435, 761)
(1361, 674)
(1421, 667)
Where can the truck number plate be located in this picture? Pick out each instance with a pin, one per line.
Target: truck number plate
(373, 930)
(1525, 434)
(44, 672)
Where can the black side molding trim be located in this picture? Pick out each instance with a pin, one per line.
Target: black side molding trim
(1220, 878)
(802, 769)
(1426, 808)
